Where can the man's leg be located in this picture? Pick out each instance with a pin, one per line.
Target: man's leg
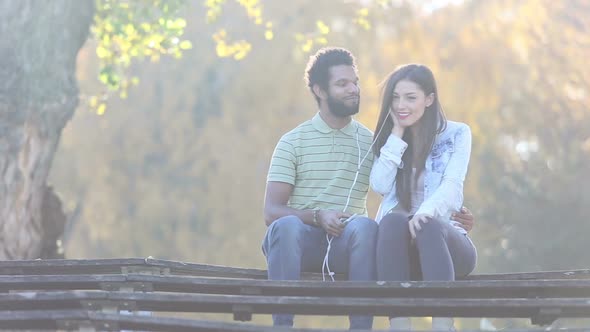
(353, 252)
(290, 246)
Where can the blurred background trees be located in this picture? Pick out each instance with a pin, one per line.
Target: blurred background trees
(38, 95)
(184, 157)
(176, 168)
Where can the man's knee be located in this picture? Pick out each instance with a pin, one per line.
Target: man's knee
(364, 227)
(285, 228)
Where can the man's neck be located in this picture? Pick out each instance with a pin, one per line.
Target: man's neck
(333, 121)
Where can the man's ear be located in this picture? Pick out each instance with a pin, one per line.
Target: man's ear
(319, 92)
(429, 99)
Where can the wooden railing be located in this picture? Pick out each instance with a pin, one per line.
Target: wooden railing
(99, 294)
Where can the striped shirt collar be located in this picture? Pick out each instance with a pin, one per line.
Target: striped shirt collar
(320, 125)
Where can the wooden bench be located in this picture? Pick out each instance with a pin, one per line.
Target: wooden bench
(92, 293)
(165, 267)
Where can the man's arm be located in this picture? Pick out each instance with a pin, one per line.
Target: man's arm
(275, 206)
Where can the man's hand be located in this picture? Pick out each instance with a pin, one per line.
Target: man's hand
(465, 218)
(330, 221)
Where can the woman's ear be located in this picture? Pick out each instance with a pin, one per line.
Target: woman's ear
(319, 92)
(429, 99)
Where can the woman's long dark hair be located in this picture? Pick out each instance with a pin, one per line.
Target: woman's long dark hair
(432, 123)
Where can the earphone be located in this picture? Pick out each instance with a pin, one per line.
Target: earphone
(329, 238)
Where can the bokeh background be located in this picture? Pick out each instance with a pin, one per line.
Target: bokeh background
(176, 169)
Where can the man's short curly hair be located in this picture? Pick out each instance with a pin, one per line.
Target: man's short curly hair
(319, 64)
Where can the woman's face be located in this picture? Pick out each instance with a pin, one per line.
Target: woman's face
(409, 103)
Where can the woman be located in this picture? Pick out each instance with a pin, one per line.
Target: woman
(421, 164)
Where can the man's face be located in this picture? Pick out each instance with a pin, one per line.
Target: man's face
(343, 91)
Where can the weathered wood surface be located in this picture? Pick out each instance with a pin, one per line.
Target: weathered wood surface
(68, 320)
(306, 305)
(157, 266)
(36, 289)
(76, 319)
(184, 284)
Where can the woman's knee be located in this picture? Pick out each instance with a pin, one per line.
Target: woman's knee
(393, 228)
(465, 264)
(433, 227)
(394, 221)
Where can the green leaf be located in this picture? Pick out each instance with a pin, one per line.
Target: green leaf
(185, 45)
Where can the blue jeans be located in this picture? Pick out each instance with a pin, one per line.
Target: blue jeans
(292, 247)
(439, 252)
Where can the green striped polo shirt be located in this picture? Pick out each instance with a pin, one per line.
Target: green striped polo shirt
(321, 163)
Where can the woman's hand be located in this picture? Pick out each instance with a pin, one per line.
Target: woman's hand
(397, 129)
(414, 223)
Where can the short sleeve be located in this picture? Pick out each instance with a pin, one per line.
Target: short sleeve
(283, 164)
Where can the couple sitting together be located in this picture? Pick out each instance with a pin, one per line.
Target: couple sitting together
(320, 173)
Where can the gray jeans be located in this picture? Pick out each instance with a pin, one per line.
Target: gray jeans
(292, 247)
(439, 252)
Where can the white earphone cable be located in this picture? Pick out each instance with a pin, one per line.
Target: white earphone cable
(329, 238)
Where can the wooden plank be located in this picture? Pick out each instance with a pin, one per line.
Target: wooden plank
(446, 289)
(116, 266)
(457, 289)
(192, 269)
(415, 307)
(206, 270)
(543, 275)
(68, 266)
(50, 300)
(55, 318)
(58, 282)
(49, 319)
(70, 319)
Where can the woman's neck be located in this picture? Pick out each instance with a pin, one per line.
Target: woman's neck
(415, 133)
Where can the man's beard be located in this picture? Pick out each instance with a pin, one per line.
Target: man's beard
(339, 108)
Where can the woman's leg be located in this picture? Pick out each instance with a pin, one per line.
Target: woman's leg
(444, 254)
(393, 248)
(444, 251)
(393, 257)
(463, 253)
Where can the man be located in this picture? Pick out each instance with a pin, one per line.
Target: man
(311, 184)
(319, 175)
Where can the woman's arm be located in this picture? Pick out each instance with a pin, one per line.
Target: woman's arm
(385, 166)
(449, 195)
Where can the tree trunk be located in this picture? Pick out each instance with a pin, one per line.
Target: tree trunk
(38, 95)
